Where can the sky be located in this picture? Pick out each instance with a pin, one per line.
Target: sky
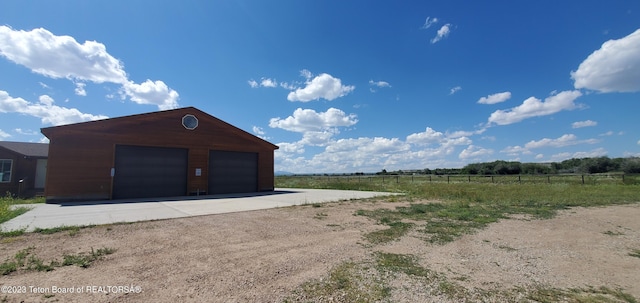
(339, 86)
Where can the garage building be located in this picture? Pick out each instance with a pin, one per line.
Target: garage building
(161, 154)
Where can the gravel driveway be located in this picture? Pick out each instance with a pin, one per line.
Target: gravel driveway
(268, 255)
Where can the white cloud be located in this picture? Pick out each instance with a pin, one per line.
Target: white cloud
(317, 138)
(60, 56)
(449, 142)
(515, 150)
(539, 156)
(443, 32)
(264, 82)
(638, 142)
(628, 154)
(473, 151)
(80, 89)
(533, 107)
(564, 140)
(150, 92)
(4, 135)
(580, 124)
(63, 57)
(293, 148)
(429, 22)
(615, 67)
(371, 154)
(379, 83)
(495, 98)
(370, 146)
(44, 109)
(598, 152)
(455, 90)
(288, 86)
(26, 132)
(322, 86)
(306, 73)
(267, 82)
(429, 136)
(305, 120)
(258, 130)
(465, 133)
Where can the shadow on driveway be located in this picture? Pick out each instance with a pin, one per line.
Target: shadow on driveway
(181, 198)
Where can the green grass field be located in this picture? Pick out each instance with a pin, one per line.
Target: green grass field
(562, 190)
(7, 209)
(456, 207)
(443, 210)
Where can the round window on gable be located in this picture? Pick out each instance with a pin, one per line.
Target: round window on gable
(190, 122)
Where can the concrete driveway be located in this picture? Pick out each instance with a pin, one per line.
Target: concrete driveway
(106, 212)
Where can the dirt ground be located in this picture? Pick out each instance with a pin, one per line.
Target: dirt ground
(264, 256)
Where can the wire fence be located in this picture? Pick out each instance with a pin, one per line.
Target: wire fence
(612, 178)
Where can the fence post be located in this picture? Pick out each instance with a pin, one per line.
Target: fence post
(469, 178)
(447, 179)
(582, 179)
(397, 180)
(549, 179)
(623, 178)
(519, 181)
(429, 178)
(491, 178)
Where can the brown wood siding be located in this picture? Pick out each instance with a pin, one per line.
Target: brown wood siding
(81, 155)
(79, 168)
(198, 159)
(265, 171)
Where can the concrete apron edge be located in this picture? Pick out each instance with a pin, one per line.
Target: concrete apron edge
(110, 212)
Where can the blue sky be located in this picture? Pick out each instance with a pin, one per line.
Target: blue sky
(340, 86)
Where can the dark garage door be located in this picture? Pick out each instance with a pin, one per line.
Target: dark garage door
(232, 172)
(146, 172)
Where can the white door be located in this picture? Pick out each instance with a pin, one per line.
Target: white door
(41, 173)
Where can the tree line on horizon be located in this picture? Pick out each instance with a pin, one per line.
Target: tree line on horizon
(595, 165)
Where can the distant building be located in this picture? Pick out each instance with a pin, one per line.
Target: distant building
(23, 168)
(160, 154)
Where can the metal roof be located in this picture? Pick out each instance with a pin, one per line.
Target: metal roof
(27, 148)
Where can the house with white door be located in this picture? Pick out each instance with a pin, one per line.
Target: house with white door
(23, 168)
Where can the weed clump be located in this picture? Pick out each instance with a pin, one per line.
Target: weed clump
(25, 260)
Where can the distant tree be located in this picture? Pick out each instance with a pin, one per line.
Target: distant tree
(631, 165)
(570, 166)
(472, 169)
(535, 168)
(383, 172)
(597, 165)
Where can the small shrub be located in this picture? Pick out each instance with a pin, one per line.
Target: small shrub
(401, 263)
(395, 231)
(80, 260)
(26, 261)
